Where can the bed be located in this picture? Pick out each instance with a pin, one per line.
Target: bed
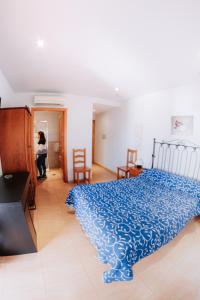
(129, 219)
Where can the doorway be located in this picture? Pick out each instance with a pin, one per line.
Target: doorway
(102, 146)
(52, 121)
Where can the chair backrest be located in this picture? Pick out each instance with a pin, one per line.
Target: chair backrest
(79, 158)
(131, 157)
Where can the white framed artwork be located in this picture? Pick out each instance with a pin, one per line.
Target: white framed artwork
(182, 125)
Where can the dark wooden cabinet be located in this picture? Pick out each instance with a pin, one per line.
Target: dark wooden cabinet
(17, 232)
(16, 144)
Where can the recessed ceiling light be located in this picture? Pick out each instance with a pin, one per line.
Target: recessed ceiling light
(40, 43)
(116, 89)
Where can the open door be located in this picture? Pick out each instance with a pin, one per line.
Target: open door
(62, 136)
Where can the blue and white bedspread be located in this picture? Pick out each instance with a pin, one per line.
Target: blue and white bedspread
(129, 219)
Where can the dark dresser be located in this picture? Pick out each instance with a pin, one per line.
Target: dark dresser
(17, 231)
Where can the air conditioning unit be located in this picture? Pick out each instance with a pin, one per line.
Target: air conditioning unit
(48, 100)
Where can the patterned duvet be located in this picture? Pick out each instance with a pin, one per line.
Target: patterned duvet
(129, 219)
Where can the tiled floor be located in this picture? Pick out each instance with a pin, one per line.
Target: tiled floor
(66, 267)
(53, 174)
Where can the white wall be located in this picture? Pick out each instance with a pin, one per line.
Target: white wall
(141, 120)
(134, 125)
(79, 128)
(6, 92)
(6, 95)
(79, 124)
(79, 121)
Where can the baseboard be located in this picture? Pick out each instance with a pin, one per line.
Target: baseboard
(107, 169)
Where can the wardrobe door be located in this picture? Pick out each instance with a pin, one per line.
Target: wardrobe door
(12, 145)
(28, 142)
(29, 158)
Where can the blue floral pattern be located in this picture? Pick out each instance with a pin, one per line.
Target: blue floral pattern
(129, 219)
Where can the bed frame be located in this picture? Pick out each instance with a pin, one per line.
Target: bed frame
(177, 156)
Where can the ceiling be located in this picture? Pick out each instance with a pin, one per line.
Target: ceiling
(93, 46)
(101, 108)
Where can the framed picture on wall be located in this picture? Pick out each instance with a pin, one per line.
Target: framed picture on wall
(182, 125)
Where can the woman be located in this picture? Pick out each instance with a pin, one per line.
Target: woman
(41, 155)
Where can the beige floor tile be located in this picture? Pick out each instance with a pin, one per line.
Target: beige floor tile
(67, 267)
(133, 290)
(36, 293)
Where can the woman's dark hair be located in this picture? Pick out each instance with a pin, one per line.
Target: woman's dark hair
(42, 139)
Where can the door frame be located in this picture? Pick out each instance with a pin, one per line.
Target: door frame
(63, 142)
(93, 141)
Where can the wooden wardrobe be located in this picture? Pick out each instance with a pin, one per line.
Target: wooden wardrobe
(16, 144)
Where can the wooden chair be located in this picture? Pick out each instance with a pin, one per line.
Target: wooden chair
(131, 160)
(79, 166)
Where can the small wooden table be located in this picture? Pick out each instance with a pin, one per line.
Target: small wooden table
(135, 171)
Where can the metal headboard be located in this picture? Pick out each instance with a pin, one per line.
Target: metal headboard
(178, 156)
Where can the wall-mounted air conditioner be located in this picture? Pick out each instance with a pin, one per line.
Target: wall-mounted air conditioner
(48, 100)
